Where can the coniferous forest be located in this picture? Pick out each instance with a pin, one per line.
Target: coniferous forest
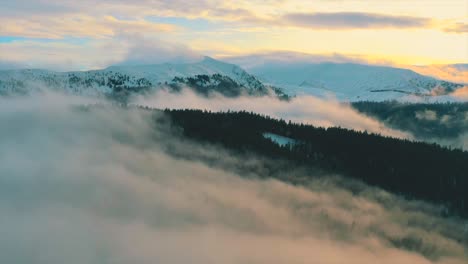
(424, 120)
(415, 170)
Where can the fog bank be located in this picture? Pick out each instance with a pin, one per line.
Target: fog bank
(97, 186)
(302, 109)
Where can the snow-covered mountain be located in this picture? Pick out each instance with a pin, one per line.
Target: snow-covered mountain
(353, 82)
(345, 81)
(123, 80)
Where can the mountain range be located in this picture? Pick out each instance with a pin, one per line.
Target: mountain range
(344, 81)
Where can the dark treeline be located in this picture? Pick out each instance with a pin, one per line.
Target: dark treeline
(442, 120)
(413, 169)
(206, 84)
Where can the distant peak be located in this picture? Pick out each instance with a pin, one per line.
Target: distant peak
(207, 59)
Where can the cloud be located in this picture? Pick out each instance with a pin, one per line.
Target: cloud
(426, 115)
(78, 26)
(461, 93)
(143, 50)
(457, 73)
(232, 31)
(33, 7)
(97, 186)
(458, 28)
(124, 8)
(124, 48)
(303, 109)
(49, 19)
(353, 20)
(458, 142)
(62, 56)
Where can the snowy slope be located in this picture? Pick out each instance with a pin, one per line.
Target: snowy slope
(208, 66)
(128, 78)
(350, 82)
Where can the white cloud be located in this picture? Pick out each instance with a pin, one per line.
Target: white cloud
(144, 50)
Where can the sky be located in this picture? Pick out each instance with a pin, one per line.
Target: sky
(91, 34)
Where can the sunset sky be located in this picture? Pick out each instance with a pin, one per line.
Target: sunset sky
(90, 34)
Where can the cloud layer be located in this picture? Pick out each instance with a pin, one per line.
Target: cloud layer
(301, 109)
(217, 27)
(96, 186)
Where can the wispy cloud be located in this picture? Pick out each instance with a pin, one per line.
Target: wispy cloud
(78, 26)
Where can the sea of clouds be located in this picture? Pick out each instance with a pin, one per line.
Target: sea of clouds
(98, 185)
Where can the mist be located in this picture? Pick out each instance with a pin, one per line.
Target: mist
(461, 93)
(301, 109)
(97, 185)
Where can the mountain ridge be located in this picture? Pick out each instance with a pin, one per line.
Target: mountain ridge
(130, 79)
(345, 81)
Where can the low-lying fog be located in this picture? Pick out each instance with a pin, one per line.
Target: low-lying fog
(97, 186)
(302, 109)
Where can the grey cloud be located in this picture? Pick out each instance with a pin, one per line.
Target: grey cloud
(353, 20)
(120, 7)
(38, 7)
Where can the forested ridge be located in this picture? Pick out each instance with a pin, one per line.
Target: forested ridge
(424, 120)
(414, 169)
